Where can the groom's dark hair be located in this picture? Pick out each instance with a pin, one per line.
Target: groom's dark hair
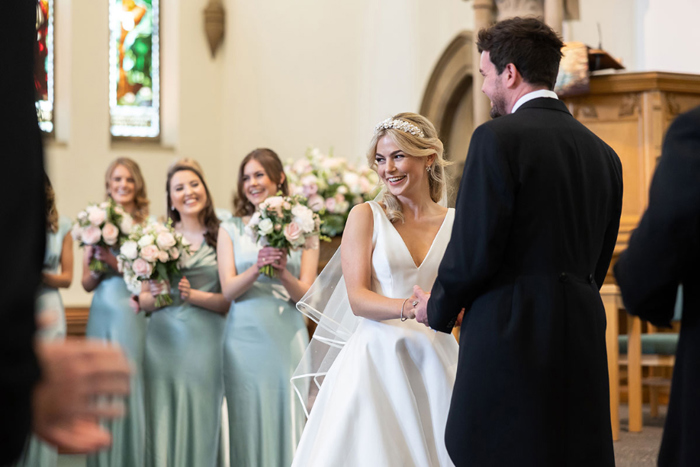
(529, 44)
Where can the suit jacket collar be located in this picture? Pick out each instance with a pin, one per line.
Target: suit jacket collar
(545, 103)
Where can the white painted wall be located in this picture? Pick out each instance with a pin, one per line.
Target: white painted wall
(669, 35)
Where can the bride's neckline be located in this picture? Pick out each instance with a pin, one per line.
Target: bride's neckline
(403, 242)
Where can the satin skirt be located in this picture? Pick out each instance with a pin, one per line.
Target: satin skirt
(112, 319)
(384, 401)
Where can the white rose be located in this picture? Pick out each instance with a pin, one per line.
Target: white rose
(304, 217)
(97, 216)
(126, 224)
(82, 216)
(146, 240)
(130, 250)
(266, 226)
(76, 231)
(165, 240)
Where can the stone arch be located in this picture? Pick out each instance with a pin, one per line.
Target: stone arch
(448, 102)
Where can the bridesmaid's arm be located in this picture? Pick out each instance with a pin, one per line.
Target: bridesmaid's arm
(64, 279)
(356, 256)
(233, 285)
(90, 279)
(215, 302)
(309, 268)
(149, 289)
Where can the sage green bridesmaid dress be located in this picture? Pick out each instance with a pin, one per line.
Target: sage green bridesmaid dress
(48, 299)
(112, 319)
(265, 339)
(183, 373)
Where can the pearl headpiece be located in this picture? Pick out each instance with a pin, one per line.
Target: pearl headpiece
(402, 125)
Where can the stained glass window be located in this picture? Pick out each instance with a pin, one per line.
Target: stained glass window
(134, 75)
(43, 64)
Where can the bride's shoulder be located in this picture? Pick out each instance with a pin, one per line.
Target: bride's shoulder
(360, 220)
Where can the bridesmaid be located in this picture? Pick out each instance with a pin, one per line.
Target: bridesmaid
(265, 335)
(113, 319)
(183, 369)
(49, 307)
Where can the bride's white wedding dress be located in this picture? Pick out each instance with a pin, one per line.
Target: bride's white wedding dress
(384, 401)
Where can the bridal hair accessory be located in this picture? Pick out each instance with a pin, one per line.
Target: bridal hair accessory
(402, 125)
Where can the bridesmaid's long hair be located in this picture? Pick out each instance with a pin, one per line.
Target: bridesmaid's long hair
(415, 146)
(51, 212)
(141, 201)
(274, 170)
(207, 215)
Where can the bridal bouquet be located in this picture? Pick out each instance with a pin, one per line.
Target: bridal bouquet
(285, 223)
(332, 186)
(106, 225)
(154, 252)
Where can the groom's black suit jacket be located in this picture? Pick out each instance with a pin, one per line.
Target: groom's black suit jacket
(536, 223)
(664, 251)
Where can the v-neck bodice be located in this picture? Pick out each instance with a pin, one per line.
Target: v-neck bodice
(394, 272)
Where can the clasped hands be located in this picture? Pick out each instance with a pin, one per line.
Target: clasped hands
(419, 306)
(275, 257)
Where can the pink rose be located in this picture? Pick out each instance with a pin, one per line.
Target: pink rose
(311, 243)
(150, 253)
(330, 204)
(292, 232)
(110, 233)
(96, 216)
(165, 240)
(91, 235)
(142, 268)
(163, 256)
(278, 227)
(316, 203)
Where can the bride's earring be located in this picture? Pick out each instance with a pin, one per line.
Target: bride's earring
(427, 169)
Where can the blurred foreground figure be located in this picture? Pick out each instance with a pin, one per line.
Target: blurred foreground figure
(52, 393)
(664, 252)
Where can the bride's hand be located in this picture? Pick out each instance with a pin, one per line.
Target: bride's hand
(419, 303)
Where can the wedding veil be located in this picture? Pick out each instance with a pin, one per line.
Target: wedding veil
(327, 304)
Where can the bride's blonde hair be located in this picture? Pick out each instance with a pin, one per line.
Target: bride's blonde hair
(416, 137)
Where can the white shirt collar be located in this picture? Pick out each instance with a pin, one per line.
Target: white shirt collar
(534, 95)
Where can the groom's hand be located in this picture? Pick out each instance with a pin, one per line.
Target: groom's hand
(420, 308)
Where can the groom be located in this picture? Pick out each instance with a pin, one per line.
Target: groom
(536, 223)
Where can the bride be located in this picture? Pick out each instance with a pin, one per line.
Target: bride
(385, 398)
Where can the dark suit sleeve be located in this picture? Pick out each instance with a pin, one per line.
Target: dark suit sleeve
(483, 216)
(666, 241)
(23, 231)
(610, 239)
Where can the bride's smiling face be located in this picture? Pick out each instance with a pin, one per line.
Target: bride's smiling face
(403, 175)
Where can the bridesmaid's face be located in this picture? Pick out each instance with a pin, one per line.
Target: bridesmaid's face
(402, 174)
(187, 193)
(122, 187)
(257, 185)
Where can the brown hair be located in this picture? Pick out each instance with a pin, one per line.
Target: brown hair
(207, 216)
(274, 170)
(415, 146)
(51, 212)
(529, 44)
(140, 197)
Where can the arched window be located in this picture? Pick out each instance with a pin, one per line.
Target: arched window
(43, 64)
(134, 68)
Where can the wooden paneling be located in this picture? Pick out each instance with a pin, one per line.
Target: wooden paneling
(631, 112)
(76, 320)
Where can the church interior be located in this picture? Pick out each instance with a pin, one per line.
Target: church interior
(211, 80)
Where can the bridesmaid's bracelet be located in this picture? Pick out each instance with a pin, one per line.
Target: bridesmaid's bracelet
(404, 302)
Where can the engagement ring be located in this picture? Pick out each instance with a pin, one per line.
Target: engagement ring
(415, 302)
